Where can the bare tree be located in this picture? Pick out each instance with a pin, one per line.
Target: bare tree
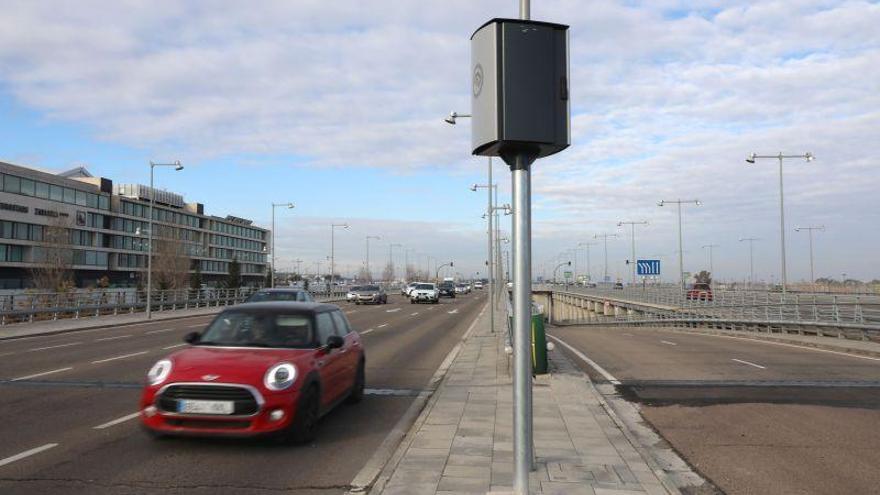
(388, 273)
(54, 258)
(171, 264)
(363, 275)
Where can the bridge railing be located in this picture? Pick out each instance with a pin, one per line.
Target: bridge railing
(47, 306)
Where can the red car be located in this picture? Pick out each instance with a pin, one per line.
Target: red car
(271, 368)
(700, 292)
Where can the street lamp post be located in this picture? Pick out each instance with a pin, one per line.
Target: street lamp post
(391, 247)
(806, 156)
(367, 264)
(751, 241)
(810, 230)
(589, 266)
(633, 260)
(450, 264)
(605, 237)
(489, 259)
(333, 227)
(679, 202)
(564, 263)
(275, 205)
(177, 167)
(711, 264)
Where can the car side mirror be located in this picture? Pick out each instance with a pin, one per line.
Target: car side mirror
(334, 342)
(192, 337)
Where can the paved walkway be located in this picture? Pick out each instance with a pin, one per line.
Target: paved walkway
(462, 443)
(14, 330)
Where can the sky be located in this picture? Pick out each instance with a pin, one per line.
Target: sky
(338, 107)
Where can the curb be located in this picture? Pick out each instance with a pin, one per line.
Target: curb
(381, 465)
(104, 325)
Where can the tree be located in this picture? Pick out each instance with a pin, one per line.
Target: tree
(363, 275)
(388, 272)
(195, 280)
(171, 264)
(233, 279)
(54, 258)
(703, 277)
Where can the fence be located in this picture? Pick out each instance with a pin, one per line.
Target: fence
(42, 306)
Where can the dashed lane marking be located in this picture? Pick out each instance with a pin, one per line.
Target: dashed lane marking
(750, 364)
(195, 326)
(44, 373)
(367, 331)
(113, 338)
(414, 314)
(667, 342)
(453, 311)
(173, 346)
(35, 349)
(382, 325)
(395, 310)
(114, 358)
(117, 421)
(161, 331)
(27, 453)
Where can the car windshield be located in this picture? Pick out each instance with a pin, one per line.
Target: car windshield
(246, 329)
(356, 288)
(425, 286)
(286, 295)
(374, 288)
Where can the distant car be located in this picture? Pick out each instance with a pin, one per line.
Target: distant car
(618, 286)
(351, 295)
(478, 285)
(462, 289)
(408, 288)
(370, 294)
(280, 294)
(447, 289)
(258, 369)
(590, 285)
(700, 292)
(424, 293)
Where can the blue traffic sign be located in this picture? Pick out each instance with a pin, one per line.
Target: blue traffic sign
(648, 267)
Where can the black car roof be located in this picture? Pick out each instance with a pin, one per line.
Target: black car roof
(286, 306)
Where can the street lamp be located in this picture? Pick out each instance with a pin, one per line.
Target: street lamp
(589, 266)
(711, 264)
(455, 115)
(450, 264)
(633, 225)
(289, 206)
(751, 241)
(177, 167)
(605, 238)
(369, 273)
(489, 258)
(564, 263)
(806, 156)
(679, 202)
(333, 227)
(810, 230)
(391, 256)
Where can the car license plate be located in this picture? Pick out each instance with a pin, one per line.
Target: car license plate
(205, 407)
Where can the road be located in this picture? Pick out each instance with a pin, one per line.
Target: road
(754, 417)
(67, 405)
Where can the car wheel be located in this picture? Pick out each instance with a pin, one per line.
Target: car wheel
(304, 426)
(357, 391)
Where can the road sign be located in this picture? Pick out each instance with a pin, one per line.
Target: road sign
(648, 267)
(567, 274)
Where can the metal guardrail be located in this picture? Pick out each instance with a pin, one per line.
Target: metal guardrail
(49, 306)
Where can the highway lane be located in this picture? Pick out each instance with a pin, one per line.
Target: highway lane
(753, 416)
(403, 351)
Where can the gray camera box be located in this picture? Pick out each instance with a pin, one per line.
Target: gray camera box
(519, 90)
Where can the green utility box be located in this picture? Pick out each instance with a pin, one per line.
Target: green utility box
(539, 343)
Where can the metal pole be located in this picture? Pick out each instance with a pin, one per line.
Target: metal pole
(332, 254)
(812, 276)
(751, 265)
(272, 273)
(782, 226)
(522, 391)
(489, 260)
(369, 275)
(150, 248)
(680, 254)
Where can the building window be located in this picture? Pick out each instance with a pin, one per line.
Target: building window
(56, 193)
(12, 184)
(42, 190)
(69, 195)
(103, 202)
(27, 187)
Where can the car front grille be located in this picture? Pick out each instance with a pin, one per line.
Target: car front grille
(244, 401)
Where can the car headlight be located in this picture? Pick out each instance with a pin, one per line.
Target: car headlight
(159, 372)
(280, 377)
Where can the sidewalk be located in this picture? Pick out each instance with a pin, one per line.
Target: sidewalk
(462, 441)
(14, 330)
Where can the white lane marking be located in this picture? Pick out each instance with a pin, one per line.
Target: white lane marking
(382, 325)
(414, 314)
(608, 376)
(27, 453)
(117, 421)
(803, 347)
(113, 338)
(173, 346)
(367, 331)
(395, 310)
(114, 358)
(453, 311)
(100, 329)
(749, 363)
(431, 308)
(36, 375)
(161, 331)
(629, 335)
(35, 349)
(667, 342)
(195, 326)
(353, 311)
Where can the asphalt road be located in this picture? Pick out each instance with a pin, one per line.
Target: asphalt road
(75, 397)
(754, 417)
